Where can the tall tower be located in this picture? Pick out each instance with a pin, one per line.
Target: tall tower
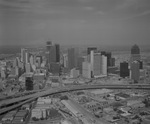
(135, 71)
(135, 53)
(104, 65)
(124, 70)
(23, 55)
(57, 52)
(48, 50)
(96, 63)
(71, 58)
(53, 54)
(29, 83)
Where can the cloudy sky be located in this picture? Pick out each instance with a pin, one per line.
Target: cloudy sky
(106, 22)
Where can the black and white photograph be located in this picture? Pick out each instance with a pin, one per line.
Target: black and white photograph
(74, 61)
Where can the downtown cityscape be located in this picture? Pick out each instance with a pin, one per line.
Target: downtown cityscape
(74, 62)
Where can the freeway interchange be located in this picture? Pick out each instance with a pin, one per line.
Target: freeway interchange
(9, 104)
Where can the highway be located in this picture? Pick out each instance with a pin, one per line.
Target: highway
(65, 89)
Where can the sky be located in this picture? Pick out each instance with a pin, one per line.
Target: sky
(102, 22)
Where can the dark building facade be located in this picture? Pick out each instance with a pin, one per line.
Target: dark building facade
(110, 60)
(79, 64)
(89, 49)
(71, 58)
(141, 64)
(52, 53)
(55, 68)
(108, 54)
(57, 52)
(29, 83)
(135, 49)
(112, 63)
(48, 50)
(124, 70)
(135, 54)
(103, 53)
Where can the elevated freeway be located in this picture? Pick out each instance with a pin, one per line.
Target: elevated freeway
(61, 90)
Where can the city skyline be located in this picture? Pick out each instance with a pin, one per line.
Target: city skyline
(103, 22)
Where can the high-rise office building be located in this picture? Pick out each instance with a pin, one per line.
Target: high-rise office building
(26, 57)
(110, 60)
(48, 50)
(52, 53)
(65, 60)
(135, 53)
(108, 54)
(124, 69)
(74, 73)
(48, 45)
(57, 52)
(28, 67)
(96, 64)
(29, 83)
(38, 61)
(79, 64)
(92, 62)
(135, 71)
(15, 62)
(71, 58)
(135, 49)
(104, 65)
(31, 60)
(23, 55)
(86, 70)
(55, 68)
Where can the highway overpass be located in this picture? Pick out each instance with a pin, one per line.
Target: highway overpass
(23, 99)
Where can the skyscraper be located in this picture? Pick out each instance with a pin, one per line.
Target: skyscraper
(135, 71)
(135, 53)
(52, 53)
(26, 57)
(23, 55)
(108, 54)
(55, 68)
(96, 64)
(29, 83)
(110, 60)
(86, 69)
(48, 50)
(57, 52)
(65, 60)
(79, 64)
(124, 70)
(104, 65)
(71, 58)
(135, 49)
(28, 67)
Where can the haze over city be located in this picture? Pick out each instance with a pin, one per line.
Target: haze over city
(74, 62)
(103, 22)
